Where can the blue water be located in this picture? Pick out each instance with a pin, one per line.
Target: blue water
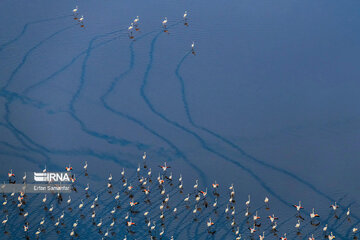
(269, 101)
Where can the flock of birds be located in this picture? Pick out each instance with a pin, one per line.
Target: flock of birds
(143, 205)
(134, 25)
(137, 199)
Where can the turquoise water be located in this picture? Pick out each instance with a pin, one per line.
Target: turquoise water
(269, 101)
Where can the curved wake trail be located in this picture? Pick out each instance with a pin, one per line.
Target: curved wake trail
(4, 45)
(28, 53)
(10, 97)
(148, 103)
(103, 98)
(235, 146)
(202, 142)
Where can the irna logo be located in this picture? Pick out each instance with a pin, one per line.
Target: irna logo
(51, 177)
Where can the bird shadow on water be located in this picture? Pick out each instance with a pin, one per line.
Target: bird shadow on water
(32, 146)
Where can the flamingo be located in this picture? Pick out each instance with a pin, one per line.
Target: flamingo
(130, 223)
(334, 206)
(210, 223)
(11, 174)
(86, 165)
(196, 184)
(298, 207)
(262, 237)
(256, 217)
(164, 167)
(5, 220)
(42, 221)
(253, 229)
(164, 22)
(100, 223)
(273, 218)
(38, 232)
(247, 203)
(325, 228)
(75, 223)
(187, 198)
(284, 237)
(75, 10)
(69, 168)
(313, 214)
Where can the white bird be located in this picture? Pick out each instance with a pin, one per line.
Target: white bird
(187, 198)
(262, 237)
(284, 237)
(297, 224)
(313, 214)
(135, 21)
(162, 232)
(256, 217)
(81, 204)
(5, 220)
(193, 45)
(75, 223)
(75, 9)
(334, 206)
(209, 223)
(331, 236)
(298, 207)
(215, 203)
(81, 18)
(196, 184)
(247, 203)
(325, 228)
(100, 223)
(72, 232)
(348, 212)
(57, 222)
(44, 199)
(117, 196)
(138, 169)
(164, 22)
(86, 165)
(185, 15)
(42, 221)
